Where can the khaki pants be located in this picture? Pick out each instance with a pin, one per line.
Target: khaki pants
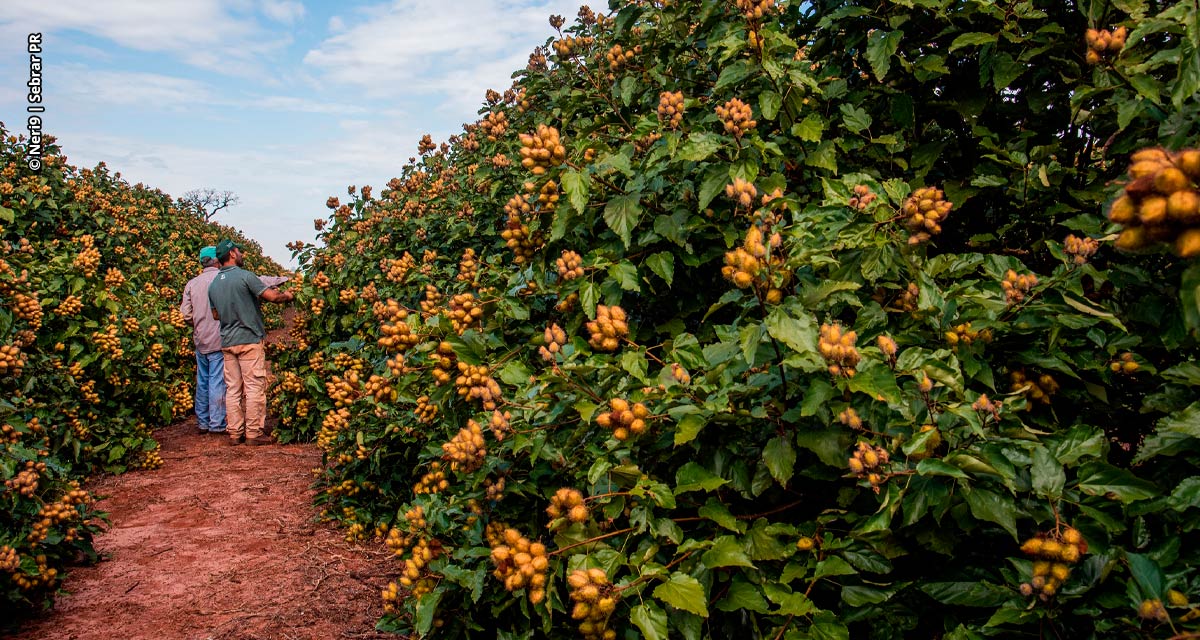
(245, 390)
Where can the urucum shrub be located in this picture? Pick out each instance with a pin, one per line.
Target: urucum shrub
(798, 475)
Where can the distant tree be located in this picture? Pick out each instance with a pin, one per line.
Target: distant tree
(207, 202)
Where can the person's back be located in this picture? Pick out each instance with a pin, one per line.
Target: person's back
(195, 309)
(234, 293)
(234, 297)
(209, 400)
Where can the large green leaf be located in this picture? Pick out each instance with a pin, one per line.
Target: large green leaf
(796, 330)
(622, 214)
(881, 46)
(1048, 475)
(967, 594)
(780, 457)
(1102, 479)
(726, 551)
(993, 507)
(699, 146)
(683, 592)
(694, 477)
(651, 620)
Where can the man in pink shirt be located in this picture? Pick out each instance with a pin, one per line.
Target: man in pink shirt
(210, 361)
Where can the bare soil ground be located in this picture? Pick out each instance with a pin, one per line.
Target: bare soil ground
(220, 543)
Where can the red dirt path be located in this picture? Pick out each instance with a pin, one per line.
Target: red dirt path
(219, 543)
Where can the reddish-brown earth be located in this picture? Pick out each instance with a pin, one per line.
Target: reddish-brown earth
(221, 542)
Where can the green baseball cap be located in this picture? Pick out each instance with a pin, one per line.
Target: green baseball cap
(208, 252)
(224, 247)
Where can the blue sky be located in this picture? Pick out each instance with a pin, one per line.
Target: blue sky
(283, 102)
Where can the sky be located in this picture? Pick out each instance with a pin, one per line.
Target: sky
(282, 102)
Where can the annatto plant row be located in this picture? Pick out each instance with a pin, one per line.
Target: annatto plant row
(781, 320)
(94, 352)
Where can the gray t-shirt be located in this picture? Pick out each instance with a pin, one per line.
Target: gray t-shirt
(234, 293)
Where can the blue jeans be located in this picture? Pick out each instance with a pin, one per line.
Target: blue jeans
(210, 391)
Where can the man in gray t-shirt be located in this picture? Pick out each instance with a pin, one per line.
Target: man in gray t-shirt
(236, 296)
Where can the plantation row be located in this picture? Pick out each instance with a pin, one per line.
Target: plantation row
(795, 320)
(94, 353)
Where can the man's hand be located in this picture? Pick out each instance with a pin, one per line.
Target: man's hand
(275, 295)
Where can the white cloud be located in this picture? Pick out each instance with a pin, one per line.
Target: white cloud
(413, 45)
(132, 88)
(336, 24)
(285, 11)
(158, 91)
(282, 187)
(201, 33)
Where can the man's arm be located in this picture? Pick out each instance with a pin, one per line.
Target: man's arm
(186, 307)
(275, 295)
(215, 316)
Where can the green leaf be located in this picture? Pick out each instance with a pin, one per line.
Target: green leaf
(829, 630)
(427, 610)
(575, 186)
(971, 40)
(798, 332)
(859, 595)
(7, 215)
(1189, 296)
(993, 507)
(790, 604)
(967, 594)
(589, 295)
(1048, 475)
(688, 428)
(515, 373)
(734, 73)
(719, 513)
(622, 214)
(881, 46)
(826, 443)
(1187, 82)
(810, 129)
(626, 275)
(1080, 442)
(663, 265)
(1005, 70)
(878, 382)
(743, 596)
(694, 477)
(856, 119)
(1148, 575)
(726, 551)
(715, 179)
(1099, 313)
(633, 362)
(683, 592)
(812, 295)
(823, 157)
(769, 103)
(834, 566)
(936, 467)
(1102, 479)
(780, 457)
(818, 394)
(699, 146)
(1186, 495)
(651, 619)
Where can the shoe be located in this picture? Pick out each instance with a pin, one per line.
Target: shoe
(233, 442)
(218, 431)
(201, 430)
(261, 440)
